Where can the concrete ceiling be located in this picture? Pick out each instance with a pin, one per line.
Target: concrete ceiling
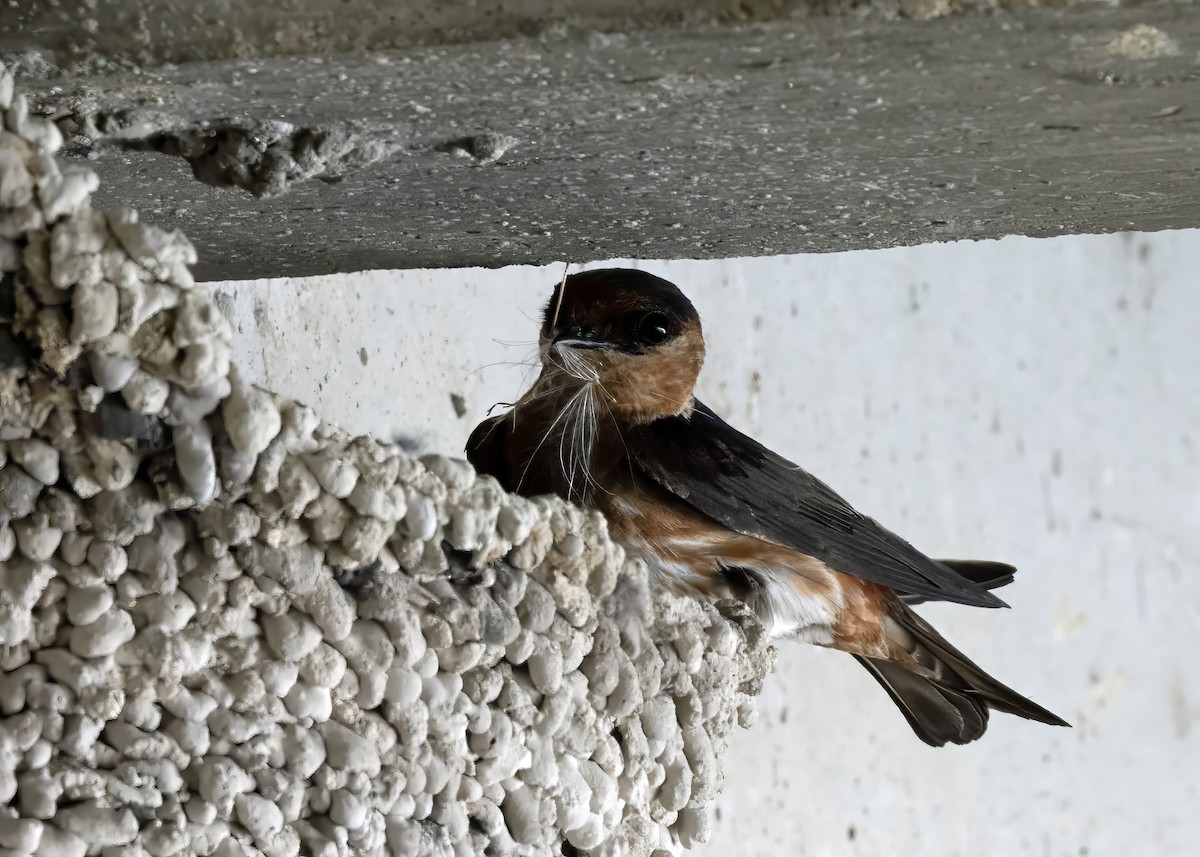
(715, 141)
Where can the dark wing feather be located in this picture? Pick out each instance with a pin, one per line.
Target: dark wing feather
(737, 481)
(988, 574)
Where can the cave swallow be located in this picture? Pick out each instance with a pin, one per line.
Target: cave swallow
(613, 423)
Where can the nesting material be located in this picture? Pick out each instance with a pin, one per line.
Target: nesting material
(264, 158)
(229, 628)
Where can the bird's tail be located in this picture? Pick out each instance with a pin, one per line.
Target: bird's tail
(943, 694)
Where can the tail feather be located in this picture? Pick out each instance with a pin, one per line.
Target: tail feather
(936, 713)
(944, 695)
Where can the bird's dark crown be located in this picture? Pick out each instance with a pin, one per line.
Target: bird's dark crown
(612, 298)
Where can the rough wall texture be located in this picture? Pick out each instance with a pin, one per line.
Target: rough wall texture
(230, 628)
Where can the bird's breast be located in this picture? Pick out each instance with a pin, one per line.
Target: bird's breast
(563, 441)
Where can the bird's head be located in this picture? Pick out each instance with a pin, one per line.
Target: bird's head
(631, 334)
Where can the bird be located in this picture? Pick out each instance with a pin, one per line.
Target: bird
(612, 423)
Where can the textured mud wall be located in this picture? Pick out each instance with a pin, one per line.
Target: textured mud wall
(230, 628)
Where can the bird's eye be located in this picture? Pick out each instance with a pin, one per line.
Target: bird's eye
(653, 328)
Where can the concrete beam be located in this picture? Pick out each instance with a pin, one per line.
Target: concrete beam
(780, 138)
(78, 32)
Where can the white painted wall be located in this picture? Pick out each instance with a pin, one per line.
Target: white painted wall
(1033, 401)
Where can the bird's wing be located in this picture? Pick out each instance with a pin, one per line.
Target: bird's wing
(988, 574)
(737, 481)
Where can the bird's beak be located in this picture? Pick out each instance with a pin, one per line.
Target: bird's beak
(574, 337)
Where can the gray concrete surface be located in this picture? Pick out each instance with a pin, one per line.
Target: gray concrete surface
(136, 31)
(785, 137)
(1029, 400)
(83, 34)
